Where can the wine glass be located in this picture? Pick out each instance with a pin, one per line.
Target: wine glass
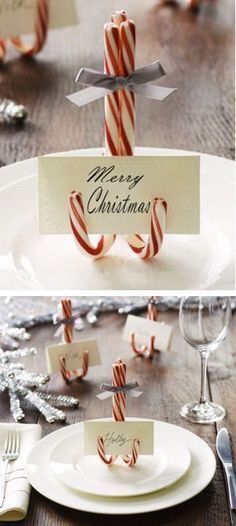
(204, 323)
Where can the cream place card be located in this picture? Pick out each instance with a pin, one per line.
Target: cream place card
(118, 192)
(17, 17)
(144, 329)
(118, 436)
(73, 354)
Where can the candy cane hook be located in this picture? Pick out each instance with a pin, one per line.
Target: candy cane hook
(80, 232)
(151, 247)
(41, 30)
(151, 315)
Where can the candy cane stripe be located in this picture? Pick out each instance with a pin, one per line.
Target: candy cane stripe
(112, 101)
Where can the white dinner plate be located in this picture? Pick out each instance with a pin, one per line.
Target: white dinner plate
(87, 473)
(30, 261)
(198, 476)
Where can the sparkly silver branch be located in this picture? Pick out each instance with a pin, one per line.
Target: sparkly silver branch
(20, 385)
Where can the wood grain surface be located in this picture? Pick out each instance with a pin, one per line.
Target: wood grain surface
(196, 50)
(169, 381)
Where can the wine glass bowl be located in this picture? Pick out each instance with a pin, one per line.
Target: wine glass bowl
(204, 323)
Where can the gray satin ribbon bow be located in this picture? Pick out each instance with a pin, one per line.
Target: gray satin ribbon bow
(101, 84)
(110, 390)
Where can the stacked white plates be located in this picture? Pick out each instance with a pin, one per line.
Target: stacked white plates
(181, 467)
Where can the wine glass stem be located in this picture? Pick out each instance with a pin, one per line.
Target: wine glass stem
(204, 359)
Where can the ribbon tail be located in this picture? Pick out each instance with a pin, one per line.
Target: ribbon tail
(136, 394)
(87, 95)
(150, 91)
(106, 394)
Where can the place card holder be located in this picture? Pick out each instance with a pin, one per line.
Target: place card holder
(151, 315)
(41, 30)
(66, 375)
(68, 322)
(118, 391)
(144, 249)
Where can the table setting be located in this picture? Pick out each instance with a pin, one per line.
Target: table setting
(113, 224)
(177, 450)
(117, 184)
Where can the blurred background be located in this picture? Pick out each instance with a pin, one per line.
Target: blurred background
(195, 47)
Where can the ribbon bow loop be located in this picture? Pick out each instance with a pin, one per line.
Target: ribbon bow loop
(100, 84)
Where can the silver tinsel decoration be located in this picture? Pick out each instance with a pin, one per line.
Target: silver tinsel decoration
(21, 385)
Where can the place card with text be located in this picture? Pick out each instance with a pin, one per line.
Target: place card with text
(73, 354)
(118, 436)
(118, 192)
(17, 17)
(144, 329)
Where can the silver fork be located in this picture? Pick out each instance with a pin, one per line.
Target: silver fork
(11, 451)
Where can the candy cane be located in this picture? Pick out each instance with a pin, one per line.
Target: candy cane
(66, 313)
(127, 98)
(2, 49)
(102, 454)
(131, 460)
(118, 414)
(79, 229)
(66, 309)
(151, 247)
(151, 315)
(112, 102)
(119, 399)
(65, 374)
(41, 29)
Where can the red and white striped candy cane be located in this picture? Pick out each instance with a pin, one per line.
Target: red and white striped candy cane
(119, 399)
(151, 315)
(2, 49)
(79, 229)
(41, 29)
(131, 460)
(65, 374)
(112, 102)
(118, 414)
(151, 247)
(66, 311)
(127, 98)
(102, 454)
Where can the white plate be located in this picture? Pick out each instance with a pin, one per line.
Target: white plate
(29, 261)
(152, 472)
(198, 476)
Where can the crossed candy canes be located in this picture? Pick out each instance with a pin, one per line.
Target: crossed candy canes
(118, 414)
(41, 29)
(66, 310)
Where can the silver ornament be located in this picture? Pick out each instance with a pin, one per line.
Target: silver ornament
(11, 112)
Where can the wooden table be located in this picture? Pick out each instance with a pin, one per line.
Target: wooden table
(196, 50)
(168, 382)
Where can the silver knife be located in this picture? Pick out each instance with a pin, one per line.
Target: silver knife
(224, 452)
